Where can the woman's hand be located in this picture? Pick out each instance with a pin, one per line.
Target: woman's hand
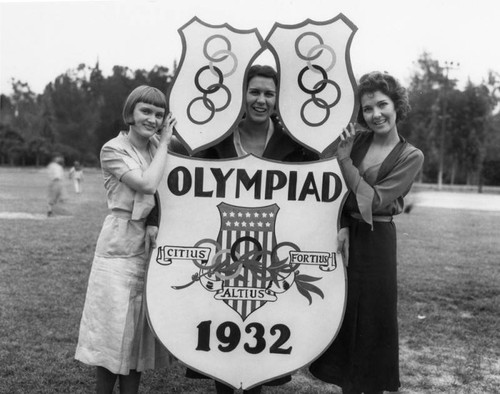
(150, 238)
(346, 141)
(167, 129)
(343, 244)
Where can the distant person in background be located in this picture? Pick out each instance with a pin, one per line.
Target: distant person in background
(379, 168)
(114, 332)
(76, 174)
(55, 172)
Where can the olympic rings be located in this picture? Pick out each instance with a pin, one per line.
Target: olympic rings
(230, 266)
(317, 100)
(244, 239)
(323, 105)
(313, 53)
(214, 87)
(205, 48)
(274, 255)
(329, 49)
(297, 49)
(205, 101)
(316, 89)
(201, 242)
(197, 80)
(235, 62)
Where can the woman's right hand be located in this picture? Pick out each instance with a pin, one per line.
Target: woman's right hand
(346, 141)
(167, 128)
(343, 244)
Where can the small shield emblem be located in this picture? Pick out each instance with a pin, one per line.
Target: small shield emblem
(316, 94)
(247, 233)
(207, 93)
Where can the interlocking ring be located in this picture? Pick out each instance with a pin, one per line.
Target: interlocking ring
(205, 48)
(308, 57)
(211, 107)
(324, 105)
(214, 87)
(316, 89)
(235, 62)
(244, 239)
(317, 101)
(237, 266)
(313, 53)
(329, 49)
(274, 254)
(208, 103)
(201, 242)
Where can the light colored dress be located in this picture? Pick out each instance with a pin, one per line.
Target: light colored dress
(114, 332)
(56, 174)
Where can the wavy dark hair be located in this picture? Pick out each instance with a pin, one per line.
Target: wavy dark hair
(377, 81)
(262, 71)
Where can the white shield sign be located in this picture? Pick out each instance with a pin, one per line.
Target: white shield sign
(207, 93)
(316, 97)
(245, 284)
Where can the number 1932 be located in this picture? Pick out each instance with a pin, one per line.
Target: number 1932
(229, 337)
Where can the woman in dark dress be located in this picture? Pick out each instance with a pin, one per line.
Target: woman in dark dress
(261, 134)
(379, 167)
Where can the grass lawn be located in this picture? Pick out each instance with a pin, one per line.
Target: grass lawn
(449, 296)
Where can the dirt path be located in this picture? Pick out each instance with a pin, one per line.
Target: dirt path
(472, 201)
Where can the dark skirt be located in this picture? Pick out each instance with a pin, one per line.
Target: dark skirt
(365, 354)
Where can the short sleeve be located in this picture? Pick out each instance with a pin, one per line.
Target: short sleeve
(117, 161)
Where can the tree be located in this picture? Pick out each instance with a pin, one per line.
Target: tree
(423, 124)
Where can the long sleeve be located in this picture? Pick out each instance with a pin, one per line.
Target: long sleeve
(388, 188)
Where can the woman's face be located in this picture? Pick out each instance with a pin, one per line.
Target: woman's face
(379, 112)
(147, 119)
(260, 99)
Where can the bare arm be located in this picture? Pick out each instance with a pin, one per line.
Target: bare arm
(146, 181)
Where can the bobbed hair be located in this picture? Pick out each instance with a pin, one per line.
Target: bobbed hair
(143, 94)
(258, 70)
(385, 83)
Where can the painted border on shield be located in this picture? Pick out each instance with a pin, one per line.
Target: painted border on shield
(181, 62)
(332, 147)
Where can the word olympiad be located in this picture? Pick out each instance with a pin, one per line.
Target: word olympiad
(264, 183)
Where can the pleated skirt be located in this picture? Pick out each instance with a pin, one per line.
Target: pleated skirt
(365, 353)
(114, 331)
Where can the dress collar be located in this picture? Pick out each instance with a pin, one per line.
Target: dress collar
(240, 151)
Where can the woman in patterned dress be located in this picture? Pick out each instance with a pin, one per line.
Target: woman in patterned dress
(114, 333)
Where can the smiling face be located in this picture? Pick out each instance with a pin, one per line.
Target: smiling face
(379, 112)
(147, 119)
(260, 99)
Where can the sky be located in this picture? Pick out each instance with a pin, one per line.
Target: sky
(41, 40)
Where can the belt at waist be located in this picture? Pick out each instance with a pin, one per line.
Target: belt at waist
(121, 214)
(375, 218)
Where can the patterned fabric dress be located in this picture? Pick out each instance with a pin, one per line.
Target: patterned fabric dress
(114, 332)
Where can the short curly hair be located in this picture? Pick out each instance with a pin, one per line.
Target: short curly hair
(265, 71)
(377, 81)
(143, 94)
